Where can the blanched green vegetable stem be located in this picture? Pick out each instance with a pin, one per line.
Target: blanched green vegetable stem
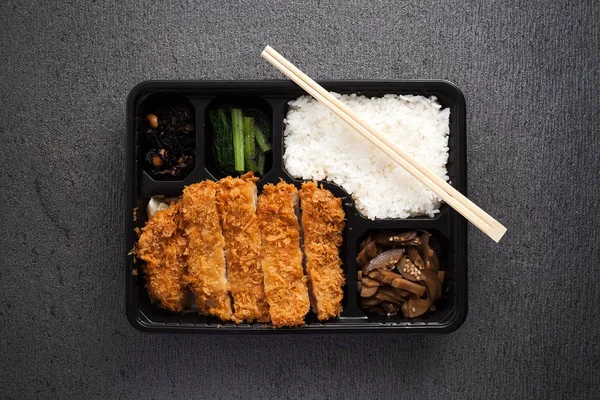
(238, 138)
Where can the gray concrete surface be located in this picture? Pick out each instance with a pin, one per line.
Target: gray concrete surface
(530, 72)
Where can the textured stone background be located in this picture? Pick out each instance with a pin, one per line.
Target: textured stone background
(530, 73)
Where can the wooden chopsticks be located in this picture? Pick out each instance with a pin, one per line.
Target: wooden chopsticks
(450, 195)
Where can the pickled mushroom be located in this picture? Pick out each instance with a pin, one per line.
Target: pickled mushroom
(384, 260)
(400, 272)
(390, 239)
(415, 307)
(368, 252)
(428, 255)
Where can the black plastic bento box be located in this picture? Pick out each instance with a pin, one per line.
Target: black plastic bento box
(272, 97)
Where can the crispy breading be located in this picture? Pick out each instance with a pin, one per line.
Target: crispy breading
(322, 226)
(236, 199)
(161, 246)
(206, 270)
(285, 283)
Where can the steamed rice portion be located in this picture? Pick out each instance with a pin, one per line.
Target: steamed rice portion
(319, 145)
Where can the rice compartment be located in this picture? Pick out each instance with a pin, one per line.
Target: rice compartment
(320, 146)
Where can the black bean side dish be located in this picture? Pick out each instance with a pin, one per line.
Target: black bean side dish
(170, 142)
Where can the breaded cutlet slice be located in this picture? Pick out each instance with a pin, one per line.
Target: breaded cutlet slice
(236, 200)
(322, 226)
(206, 269)
(285, 283)
(161, 245)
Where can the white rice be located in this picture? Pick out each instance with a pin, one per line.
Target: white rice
(321, 146)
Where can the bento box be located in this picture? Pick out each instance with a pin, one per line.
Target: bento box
(271, 98)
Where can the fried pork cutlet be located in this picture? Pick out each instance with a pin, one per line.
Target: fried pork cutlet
(236, 200)
(161, 246)
(322, 226)
(285, 283)
(205, 256)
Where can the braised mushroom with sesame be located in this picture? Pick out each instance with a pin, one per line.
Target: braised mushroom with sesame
(385, 260)
(400, 272)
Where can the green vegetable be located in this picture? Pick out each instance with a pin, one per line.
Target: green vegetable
(260, 168)
(222, 138)
(249, 144)
(227, 140)
(263, 123)
(240, 141)
(238, 138)
(218, 135)
(261, 140)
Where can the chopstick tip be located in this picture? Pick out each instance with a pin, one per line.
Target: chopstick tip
(497, 232)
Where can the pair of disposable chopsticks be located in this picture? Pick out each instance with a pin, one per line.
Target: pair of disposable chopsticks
(450, 195)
